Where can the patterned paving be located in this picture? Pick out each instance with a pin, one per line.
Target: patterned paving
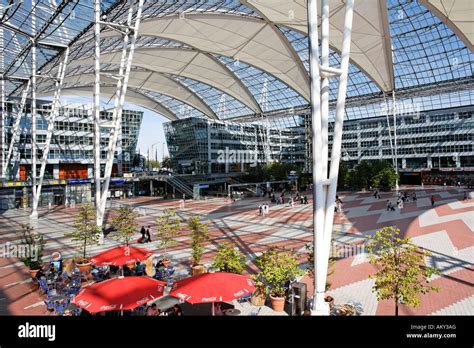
(446, 230)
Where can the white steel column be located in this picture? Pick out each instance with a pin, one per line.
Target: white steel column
(16, 127)
(394, 108)
(2, 104)
(122, 84)
(325, 89)
(96, 114)
(54, 113)
(389, 129)
(337, 139)
(34, 215)
(318, 208)
(324, 188)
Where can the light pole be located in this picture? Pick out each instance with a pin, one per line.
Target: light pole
(156, 155)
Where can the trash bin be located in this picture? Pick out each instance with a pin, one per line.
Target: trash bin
(298, 303)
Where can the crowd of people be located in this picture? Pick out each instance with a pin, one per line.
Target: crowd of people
(264, 208)
(146, 235)
(154, 311)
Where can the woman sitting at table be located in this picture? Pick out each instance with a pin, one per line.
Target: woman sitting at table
(217, 309)
(152, 311)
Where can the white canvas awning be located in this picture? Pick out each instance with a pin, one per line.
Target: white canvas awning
(150, 81)
(370, 44)
(133, 97)
(189, 63)
(248, 39)
(458, 15)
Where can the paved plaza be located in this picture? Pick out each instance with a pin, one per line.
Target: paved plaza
(446, 230)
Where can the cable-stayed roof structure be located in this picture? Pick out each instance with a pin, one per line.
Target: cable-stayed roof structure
(196, 51)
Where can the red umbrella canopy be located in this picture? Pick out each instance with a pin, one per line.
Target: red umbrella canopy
(120, 256)
(119, 294)
(212, 287)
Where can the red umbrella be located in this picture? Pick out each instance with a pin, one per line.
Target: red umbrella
(119, 294)
(120, 256)
(212, 287)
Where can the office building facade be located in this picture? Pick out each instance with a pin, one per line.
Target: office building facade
(69, 169)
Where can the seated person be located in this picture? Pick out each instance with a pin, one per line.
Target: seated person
(218, 309)
(114, 269)
(177, 310)
(127, 272)
(140, 269)
(152, 311)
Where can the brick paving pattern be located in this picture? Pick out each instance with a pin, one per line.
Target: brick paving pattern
(446, 230)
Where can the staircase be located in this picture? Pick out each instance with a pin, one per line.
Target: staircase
(178, 184)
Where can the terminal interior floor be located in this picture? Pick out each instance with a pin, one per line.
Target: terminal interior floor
(445, 229)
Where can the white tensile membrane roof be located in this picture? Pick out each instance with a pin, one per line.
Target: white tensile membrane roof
(146, 80)
(370, 44)
(133, 97)
(456, 14)
(193, 64)
(205, 39)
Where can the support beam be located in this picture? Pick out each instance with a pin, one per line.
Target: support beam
(2, 103)
(324, 187)
(337, 142)
(16, 130)
(54, 113)
(122, 84)
(34, 214)
(319, 306)
(394, 106)
(96, 113)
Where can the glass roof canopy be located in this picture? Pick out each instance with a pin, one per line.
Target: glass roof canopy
(425, 52)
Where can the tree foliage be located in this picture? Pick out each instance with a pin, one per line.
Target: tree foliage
(166, 163)
(168, 225)
(377, 173)
(198, 236)
(278, 265)
(229, 259)
(402, 274)
(126, 224)
(86, 231)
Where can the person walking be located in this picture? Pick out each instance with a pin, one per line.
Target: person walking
(148, 235)
(432, 200)
(143, 232)
(260, 210)
(389, 205)
(376, 194)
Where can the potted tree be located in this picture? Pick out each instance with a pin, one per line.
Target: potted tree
(229, 259)
(198, 236)
(278, 265)
(168, 229)
(125, 224)
(402, 273)
(86, 232)
(33, 258)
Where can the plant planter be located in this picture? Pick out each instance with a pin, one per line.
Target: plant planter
(33, 272)
(259, 296)
(199, 269)
(278, 303)
(84, 267)
(330, 301)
